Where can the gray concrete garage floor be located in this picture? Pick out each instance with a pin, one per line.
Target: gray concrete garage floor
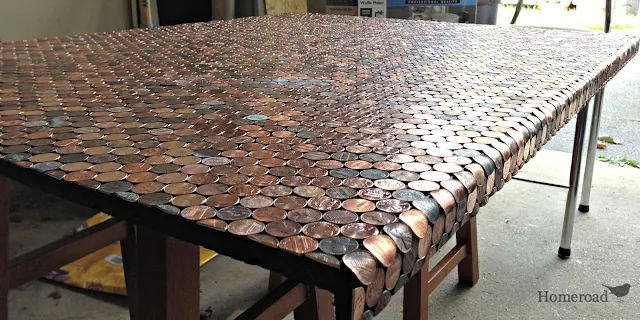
(519, 232)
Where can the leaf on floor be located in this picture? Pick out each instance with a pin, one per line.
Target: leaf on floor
(609, 139)
(620, 161)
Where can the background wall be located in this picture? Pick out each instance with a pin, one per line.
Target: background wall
(24, 19)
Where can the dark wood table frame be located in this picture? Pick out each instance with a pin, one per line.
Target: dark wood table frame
(162, 260)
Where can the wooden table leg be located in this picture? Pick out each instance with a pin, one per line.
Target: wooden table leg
(168, 277)
(130, 266)
(318, 306)
(416, 296)
(5, 196)
(468, 272)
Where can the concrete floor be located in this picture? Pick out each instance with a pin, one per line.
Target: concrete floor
(519, 232)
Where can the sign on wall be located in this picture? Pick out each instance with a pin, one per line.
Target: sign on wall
(372, 8)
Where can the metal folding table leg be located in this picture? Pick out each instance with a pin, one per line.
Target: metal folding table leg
(570, 207)
(591, 151)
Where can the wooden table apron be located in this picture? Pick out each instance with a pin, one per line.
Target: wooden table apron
(433, 119)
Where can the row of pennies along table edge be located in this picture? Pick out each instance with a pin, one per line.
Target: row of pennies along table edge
(382, 261)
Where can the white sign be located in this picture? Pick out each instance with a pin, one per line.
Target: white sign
(372, 8)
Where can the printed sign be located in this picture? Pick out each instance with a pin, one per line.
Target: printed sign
(372, 8)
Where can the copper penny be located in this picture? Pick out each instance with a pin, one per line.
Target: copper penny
(110, 176)
(243, 190)
(198, 213)
(324, 203)
(326, 182)
(276, 191)
(309, 191)
(264, 239)
(212, 189)
(358, 205)
(257, 201)
(187, 200)
(362, 264)
(180, 188)
(324, 259)
(416, 220)
(382, 247)
(222, 200)
(79, 176)
(392, 205)
(269, 214)
(216, 224)
(374, 290)
(320, 230)
(359, 230)
(445, 199)
(393, 272)
(201, 179)
(290, 202)
(245, 227)
(298, 244)
(76, 166)
(135, 167)
(284, 228)
(174, 177)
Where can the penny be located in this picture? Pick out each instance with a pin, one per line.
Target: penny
(378, 218)
(424, 186)
(244, 190)
(374, 290)
(392, 205)
(324, 259)
(374, 174)
(382, 247)
(389, 184)
(290, 202)
(305, 215)
(425, 243)
(438, 230)
(447, 167)
(338, 245)
(298, 244)
(401, 282)
(393, 272)
(212, 189)
(201, 179)
(284, 228)
(410, 257)
(265, 239)
(362, 264)
(245, 227)
(216, 224)
(198, 213)
(75, 166)
(435, 176)
(256, 201)
(326, 182)
(117, 186)
(408, 195)
(222, 200)
(357, 183)
(233, 213)
(276, 191)
(135, 167)
(187, 200)
(340, 217)
(358, 230)
(46, 166)
(401, 234)
(89, 184)
(269, 214)
(416, 220)
(180, 188)
(320, 230)
(359, 205)
(341, 192)
(309, 191)
(374, 194)
(445, 199)
(324, 203)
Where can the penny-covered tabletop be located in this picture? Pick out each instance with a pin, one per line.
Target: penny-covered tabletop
(358, 143)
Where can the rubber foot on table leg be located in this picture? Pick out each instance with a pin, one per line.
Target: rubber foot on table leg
(583, 208)
(564, 253)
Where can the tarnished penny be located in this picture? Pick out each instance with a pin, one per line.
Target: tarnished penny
(338, 245)
(324, 203)
(374, 194)
(269, 214)
(401, 234)
(256, 201)
(284, 228)
(393, 205)
(264, 239)
(340, 217)
(217, 224)
(234, 213)
(362, 264)
(324, 258)
(383, 301)
(305, 215)
(298, 244)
